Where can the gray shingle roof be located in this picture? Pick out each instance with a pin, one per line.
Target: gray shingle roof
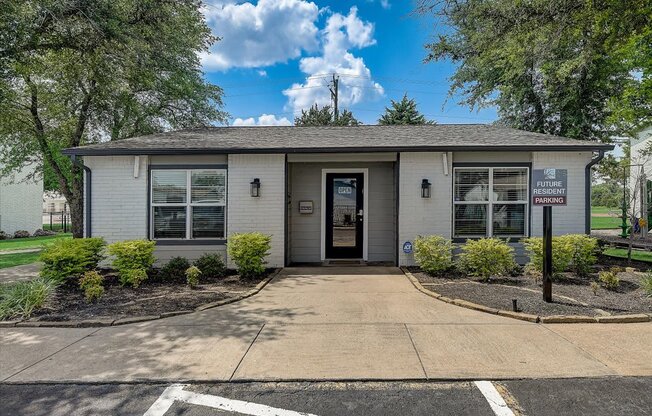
(440, 137)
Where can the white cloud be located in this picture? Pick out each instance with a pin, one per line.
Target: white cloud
(262, 73)
(263, 120)
(259, 35)
(341, 34)
(385, 4)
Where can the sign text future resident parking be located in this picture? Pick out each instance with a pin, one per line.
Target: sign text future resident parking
(549, 186)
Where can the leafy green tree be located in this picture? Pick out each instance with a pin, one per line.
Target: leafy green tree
(403, 112)
(74, 72)
(550, 66)
(324, 116)
(607, 194)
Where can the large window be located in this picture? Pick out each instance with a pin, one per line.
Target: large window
(188, 204)
(490, 202)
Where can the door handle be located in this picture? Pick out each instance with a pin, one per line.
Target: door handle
(360, 214)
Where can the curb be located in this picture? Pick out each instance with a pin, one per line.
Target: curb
(98, 323)
(552, 319)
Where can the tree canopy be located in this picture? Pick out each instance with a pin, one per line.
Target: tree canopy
(325, 116)
(581, 69)
(75, 72)
(403, 112)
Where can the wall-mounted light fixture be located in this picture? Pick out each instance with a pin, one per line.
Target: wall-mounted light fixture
(255, 188)
(425, 188)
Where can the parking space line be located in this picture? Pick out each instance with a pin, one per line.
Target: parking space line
(493, 397)
(176, 393)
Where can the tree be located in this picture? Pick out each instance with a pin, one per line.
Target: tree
(324, 116)
(403, 112)
(74, 72)
(550, 66)
(607, 194)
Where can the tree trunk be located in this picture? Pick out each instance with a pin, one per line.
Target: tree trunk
(76, 201)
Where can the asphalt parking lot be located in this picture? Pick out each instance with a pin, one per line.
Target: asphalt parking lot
(544, 397)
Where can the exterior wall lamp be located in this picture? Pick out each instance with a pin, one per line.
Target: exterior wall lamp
(255, 188)
(425, 188)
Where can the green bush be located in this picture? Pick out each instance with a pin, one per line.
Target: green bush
(561, 255)
(576, 252)
(92, 283)
(19, 300)
(211, 265)
(609, 279)
(174, 269)
(486, 257)
(433, 253)
(132, 260)
(70, 258)
(192, 276)
(647, 283)
(248, 251)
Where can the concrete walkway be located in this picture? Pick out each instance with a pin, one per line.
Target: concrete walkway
(363, 323)
(20, 273)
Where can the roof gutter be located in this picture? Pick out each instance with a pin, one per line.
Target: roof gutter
(82, 151)
(87, 200)
(587, 191)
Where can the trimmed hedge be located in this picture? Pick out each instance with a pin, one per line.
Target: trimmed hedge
(133, 258)
(486, 257)
(70, 258)
(433, 253)
(248, 251)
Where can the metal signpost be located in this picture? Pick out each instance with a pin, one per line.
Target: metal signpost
(549, 187)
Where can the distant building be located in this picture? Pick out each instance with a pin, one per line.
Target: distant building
(54, 202)
(21, 201)
(641, 175)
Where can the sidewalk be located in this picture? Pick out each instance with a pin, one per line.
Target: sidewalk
(366, 323)
(19, 273)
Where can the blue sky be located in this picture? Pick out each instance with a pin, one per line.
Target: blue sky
(275, 58)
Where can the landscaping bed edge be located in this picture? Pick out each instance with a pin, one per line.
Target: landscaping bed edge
(104, 322)
(556, 319)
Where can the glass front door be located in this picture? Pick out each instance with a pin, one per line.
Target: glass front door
(344, 215)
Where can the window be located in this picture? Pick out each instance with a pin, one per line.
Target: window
(188, 204)
(490, 202)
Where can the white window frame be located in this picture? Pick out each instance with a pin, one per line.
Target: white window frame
(489, 203)
(188, 204)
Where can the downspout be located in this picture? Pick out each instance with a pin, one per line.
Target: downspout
(87, 206)
(587, 191)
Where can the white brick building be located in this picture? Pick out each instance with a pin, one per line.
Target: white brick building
(331, 193)
(21, 202)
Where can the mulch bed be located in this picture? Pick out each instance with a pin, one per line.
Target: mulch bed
(153, 297)
(572, 295)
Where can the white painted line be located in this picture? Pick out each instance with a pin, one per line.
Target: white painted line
(494, 398)
(177, 393)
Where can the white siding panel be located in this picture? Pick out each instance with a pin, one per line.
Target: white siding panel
(21, 202)
(423, 216)
(568, 219)
(118, 200)
(265, 214)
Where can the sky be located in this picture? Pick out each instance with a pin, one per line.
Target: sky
(276, 57)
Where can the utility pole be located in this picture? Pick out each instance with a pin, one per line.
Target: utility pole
(334, 95)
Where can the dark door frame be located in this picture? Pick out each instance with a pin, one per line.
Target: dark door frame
(363, 200)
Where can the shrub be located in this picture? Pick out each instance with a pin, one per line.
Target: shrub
(22, 234)
(609, 279)
(576, 252)
(594, 287)
(192, 276)
(43, 233)
(5, 236)
(92, 283)
(70, 258)
(561, 255)
(211, 265)
(433, 253)
(584, 251)
(248, 251)
(174, 269)
(22, 298)
(486, 257)
(132, 260)
(647, 283)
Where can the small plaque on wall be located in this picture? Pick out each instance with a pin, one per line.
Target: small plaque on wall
(305, 207)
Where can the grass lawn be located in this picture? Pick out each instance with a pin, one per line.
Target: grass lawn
(605, 223)
(604, 210)
(30, 242)
(11, 260)
(636, 254)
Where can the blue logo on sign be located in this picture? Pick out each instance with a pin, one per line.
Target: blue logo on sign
(407, 247)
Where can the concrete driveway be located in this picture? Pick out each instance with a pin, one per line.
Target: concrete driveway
(357, 323)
